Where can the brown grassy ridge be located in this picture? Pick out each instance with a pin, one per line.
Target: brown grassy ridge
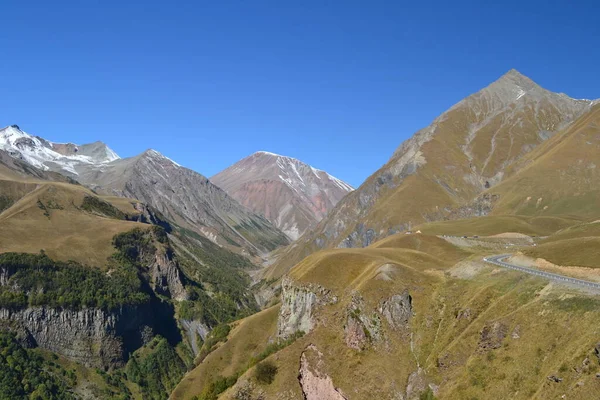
(578, 245)
(551, 172)
(47, 216)
(548, 330)
(497, 224)
(248, 338)
(560, 177)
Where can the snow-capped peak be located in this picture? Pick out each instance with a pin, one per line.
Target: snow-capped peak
(110, 154)
(268, 153)
(44, 154)
(296, 174)
(291, 194)
(159, 156)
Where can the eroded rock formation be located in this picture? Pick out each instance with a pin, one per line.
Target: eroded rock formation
(316, 385)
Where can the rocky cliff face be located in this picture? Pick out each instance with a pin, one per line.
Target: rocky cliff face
(316, 385)
(291, 194)
(100, 337)
(298, 305)
(93, 337)
(193, 330)
(167, 279)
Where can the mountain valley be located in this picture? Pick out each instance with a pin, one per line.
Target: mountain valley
(138, 278)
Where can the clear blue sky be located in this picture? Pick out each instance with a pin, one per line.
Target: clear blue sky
(337, 84)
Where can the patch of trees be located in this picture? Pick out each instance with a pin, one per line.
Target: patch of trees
(40, 281)
(220, 271)
(5, 202)
(265, 372)
(96, 205)
(156, 368)
(24, 374)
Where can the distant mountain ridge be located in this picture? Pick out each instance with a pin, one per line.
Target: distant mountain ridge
(187, 198)
(46, 155)
(184, 196)
(291, 194)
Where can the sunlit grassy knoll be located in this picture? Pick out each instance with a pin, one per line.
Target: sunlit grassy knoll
(249, 337)
(578, 245)
(496, 224)
(49, 218)
(581, 252)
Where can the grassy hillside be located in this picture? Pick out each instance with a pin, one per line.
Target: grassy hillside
(537, 153)
(51, 216)
(578, 245)
(248, 338)
(559, 178)
(493, 225)
(493, 333)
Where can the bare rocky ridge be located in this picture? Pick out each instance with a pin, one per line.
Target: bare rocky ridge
(187, 198)
(291, 194)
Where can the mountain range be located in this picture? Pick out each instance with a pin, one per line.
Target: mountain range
(139, 278)
(183, 195)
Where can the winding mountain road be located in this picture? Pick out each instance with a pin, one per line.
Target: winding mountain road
(499, 260)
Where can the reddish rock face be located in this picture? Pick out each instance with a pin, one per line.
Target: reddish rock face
(292, 195)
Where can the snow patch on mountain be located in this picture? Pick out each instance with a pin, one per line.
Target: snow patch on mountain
(46, 155)
(293, 170)
(159, 156)
(291, 194)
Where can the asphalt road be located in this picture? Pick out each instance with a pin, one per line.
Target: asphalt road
(499, 260)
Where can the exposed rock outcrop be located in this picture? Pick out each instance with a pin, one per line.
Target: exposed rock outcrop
(166, 276)
(355, 334)
(466, 314)
(491, 336)
(362, 328)
(194, 329)
(417, 384)
(297, 306)
(315, 384)
(397, 310)
(93, 337)
(5, 274)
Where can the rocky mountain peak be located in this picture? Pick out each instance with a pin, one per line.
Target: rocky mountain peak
(291, 194)
(61, 157)
(514, 77)
(156, 156)
(511, 87)
(261, 153)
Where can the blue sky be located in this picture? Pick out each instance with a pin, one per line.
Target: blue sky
(337, 84)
